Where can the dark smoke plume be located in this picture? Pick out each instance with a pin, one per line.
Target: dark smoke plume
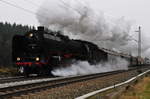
(80, 21)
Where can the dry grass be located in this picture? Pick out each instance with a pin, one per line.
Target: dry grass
(7, 71)
(139, 91)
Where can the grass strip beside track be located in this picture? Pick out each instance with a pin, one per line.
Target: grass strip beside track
(139, 91)
(8, 71)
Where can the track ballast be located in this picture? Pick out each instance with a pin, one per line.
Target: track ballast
(18, 90)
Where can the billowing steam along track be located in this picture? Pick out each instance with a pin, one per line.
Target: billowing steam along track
(8, 92)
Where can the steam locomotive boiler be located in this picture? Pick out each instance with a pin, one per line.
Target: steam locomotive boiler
(38, 51)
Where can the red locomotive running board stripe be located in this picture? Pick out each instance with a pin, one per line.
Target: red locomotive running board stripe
(30, 63)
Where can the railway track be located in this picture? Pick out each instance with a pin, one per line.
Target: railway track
(19, 78)
(8, 92)
(9, 79)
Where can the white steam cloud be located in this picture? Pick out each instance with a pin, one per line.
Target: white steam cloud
(80, 21)
(83, 68)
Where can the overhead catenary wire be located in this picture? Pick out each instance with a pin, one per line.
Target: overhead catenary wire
(32, 3)
(65, 5)
(83, 15)
(62, 5)
(16, 6)
(36, 5)
(21, 8)
(34, 13)
(45, 9)
(68, 6)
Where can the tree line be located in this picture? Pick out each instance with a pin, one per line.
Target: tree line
(7, 31)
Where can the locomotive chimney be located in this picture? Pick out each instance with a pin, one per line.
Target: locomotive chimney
(41, 32)
(40, 28)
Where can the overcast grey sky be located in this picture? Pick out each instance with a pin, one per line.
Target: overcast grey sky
(134, 10)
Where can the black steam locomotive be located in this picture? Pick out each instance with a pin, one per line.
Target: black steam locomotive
(39, 52)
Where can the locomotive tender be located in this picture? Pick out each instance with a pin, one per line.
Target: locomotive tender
(38, 51)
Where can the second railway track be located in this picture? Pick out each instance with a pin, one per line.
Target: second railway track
(19, 78)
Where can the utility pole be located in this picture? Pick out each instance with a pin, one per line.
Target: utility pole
(139, 42)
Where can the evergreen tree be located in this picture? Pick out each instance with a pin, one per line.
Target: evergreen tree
(7, 31)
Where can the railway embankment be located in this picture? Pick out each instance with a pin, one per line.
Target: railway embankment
(80, 87)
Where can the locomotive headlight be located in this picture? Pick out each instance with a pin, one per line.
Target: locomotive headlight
(37, 59)
(31, 35)
(18, 59)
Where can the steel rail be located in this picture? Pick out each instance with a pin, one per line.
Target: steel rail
(36, 87)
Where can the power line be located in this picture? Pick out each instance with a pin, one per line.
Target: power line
(29, 11)
(78, 11)
(68, 6)
(65, 5)
(16, 6)
(36, 5)
(26, 10)
(31, 3)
